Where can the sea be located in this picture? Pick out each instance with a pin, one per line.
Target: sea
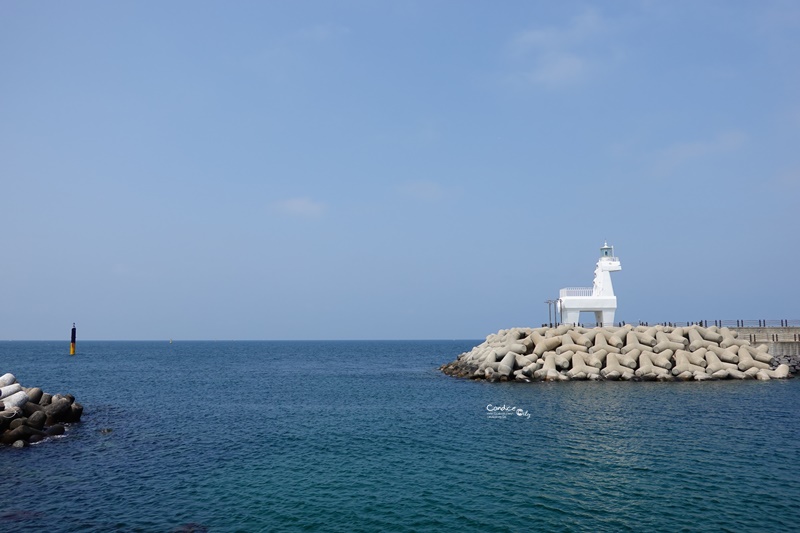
(370, 436)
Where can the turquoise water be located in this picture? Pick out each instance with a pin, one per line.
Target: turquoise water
(369, 436)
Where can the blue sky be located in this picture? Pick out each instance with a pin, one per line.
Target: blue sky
(392, 170)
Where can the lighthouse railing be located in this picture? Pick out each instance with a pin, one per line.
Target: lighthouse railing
(575, 291)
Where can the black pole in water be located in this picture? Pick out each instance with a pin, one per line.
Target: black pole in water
(72, 341)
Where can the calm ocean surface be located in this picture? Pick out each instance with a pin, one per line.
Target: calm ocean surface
(369, 436)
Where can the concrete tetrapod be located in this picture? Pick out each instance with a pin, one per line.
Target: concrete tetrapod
(631, 358)
(647, 370)
(580, 370)
(546, 345)
(572, 347)
(18, 399)
(758, 355)
(524, 354)
(580, 339)
(683, 368)
(697, 357)
(600, 343)
(563, 360)
(661, 359)
(746, 361)
(8, 390)
(646, 338)
(782, 371)
(728, 355)
(676, 335)
(597, 358)
(697, 341)
(614, 370)
(632, 343)
(664, 343)
(548, 371)
(719, 369)
(506, 366)
(27, 415)
(613, 339)
(710, 334)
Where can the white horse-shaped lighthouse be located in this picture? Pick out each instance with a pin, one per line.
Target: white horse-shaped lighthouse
(599, 298)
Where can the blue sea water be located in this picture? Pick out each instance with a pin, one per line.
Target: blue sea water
(369, 436)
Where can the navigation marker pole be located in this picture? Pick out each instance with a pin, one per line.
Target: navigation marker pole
(72, 341)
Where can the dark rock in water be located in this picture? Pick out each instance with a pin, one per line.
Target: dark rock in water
(35, 394)
(33, 415)
(76, 410)
(17, 423)
(20, 433)
(6, 417)
(37, 420)
(56, 429)
(58, 410)
(29, 432)
(29, 408)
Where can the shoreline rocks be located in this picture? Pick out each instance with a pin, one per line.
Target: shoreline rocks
(640, 353)
(29, 415)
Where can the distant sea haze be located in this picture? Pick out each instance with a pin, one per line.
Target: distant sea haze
(370, 436)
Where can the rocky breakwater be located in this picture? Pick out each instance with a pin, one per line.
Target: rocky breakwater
(624, 353)
(792, 361)
(29, 415)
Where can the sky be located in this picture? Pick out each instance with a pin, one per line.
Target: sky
(392, 170)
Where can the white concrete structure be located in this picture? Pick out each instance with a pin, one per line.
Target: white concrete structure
(598, 299)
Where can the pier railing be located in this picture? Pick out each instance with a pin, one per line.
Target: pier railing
(762, 323)
(760, 330)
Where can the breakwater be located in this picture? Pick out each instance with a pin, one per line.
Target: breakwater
(782, 341)
(624, 353)
(29, 415)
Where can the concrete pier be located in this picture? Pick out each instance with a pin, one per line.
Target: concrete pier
(783, 343)
(781, 340)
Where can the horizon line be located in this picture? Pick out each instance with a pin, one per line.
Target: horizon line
(237, 340)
